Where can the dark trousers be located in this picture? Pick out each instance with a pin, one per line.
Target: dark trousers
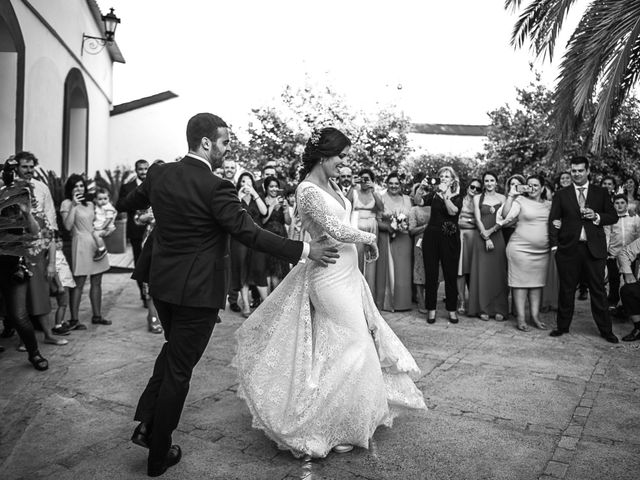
(187, 331)
(438, 248)
(15, 302)
(614, 282)
(630, 295)
(575, 264)
(136, 246)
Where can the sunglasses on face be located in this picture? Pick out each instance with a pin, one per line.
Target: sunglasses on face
(474, 188)
(342, 156)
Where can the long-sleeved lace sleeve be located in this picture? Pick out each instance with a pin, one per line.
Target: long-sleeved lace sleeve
(311, 203)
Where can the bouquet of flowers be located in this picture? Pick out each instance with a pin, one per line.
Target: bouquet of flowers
(398, 222)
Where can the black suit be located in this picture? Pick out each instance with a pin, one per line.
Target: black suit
(135, 232)
(577, 259)
(195, 212)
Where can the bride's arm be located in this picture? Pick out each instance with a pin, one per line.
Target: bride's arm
(311, 203)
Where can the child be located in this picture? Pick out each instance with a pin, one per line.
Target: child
(60, 286)
(619, 235)
(103, 226)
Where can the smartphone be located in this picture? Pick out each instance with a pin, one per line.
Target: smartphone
(523, 189)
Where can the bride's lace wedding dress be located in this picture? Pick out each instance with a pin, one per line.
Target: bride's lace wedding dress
(318, 366)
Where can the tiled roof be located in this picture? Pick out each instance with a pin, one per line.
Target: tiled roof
(142, 102)
(449, 129)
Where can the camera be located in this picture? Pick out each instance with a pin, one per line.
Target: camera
(9, 171)
(22, 273)
(431, 181)
(523, 189)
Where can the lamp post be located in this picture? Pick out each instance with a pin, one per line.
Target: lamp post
(94, 45)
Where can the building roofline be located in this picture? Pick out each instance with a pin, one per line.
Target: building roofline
(142, 102)
(450, 129)
(112, 47)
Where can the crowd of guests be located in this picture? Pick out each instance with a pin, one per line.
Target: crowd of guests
(493, 246)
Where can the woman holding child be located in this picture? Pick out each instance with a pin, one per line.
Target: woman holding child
(78, 215)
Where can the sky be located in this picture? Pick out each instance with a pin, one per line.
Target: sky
(437, 61)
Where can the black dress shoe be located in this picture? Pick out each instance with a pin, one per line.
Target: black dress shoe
(610, 337)
(141, 435)
(173, 456)
(234, 307)
(557, 333)
(633, 336)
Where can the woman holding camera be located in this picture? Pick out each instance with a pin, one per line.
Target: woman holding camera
(441, 240)
(14, 271)
(275, 221)
(488, 289)
(77, 216)
(528, 248)
(248, 266)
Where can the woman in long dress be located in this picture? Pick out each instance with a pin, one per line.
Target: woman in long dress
(393, 271)
(528, 249)
(488, 288)
(317, 365)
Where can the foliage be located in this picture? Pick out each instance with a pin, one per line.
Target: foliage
(113, 181)
(429, 164)
(521, 139)
(602, 56)
(279, 132)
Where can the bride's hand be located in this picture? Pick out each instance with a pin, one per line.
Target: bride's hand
(371, 252)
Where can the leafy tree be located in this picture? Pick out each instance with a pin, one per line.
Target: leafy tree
(429, 164)
(602, 56)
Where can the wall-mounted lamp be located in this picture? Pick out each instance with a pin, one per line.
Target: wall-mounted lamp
(94, 45)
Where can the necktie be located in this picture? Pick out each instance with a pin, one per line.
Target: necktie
(581, 198)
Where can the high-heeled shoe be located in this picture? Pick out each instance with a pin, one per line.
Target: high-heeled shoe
(431, 316)
(453, 317)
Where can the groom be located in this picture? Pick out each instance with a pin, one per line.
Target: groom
(195, 213)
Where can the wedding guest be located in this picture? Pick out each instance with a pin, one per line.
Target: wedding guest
(418, 219)
(630, 291)
(248, 266)
(441, 240)
(42, 201)
(268, 170)
(528, 249)
(488, 298)
(78, 214)
(230, 170)
(103, 222)
(366, 204)
(14, 271)
(610, 184)
(510, 227)
(619, 235)
(630, 190)
(275, 221)
(393, 269)
(60, 285)
(467, 225)
(552, 284)
(564, 180)
(134, 232)
(294, 231)
(346, 181)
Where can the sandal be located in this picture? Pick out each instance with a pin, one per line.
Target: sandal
(484, 317)
(55, 341)
(38, 361)
(539, 325)
(523, 327)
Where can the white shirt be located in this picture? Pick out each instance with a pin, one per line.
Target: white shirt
(585, 191)
(44, 202)
(305, 246)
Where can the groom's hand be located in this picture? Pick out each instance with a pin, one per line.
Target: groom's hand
(323, 254)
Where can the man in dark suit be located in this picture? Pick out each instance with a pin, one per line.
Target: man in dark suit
(195, 213)
(134, 232)
(580, 245)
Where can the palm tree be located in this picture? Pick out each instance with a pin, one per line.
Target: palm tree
(602, 60)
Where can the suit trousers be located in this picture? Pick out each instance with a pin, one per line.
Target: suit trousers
(573, 265)
(439, 248)
(614, 282)
(630, 294)
(187, 331)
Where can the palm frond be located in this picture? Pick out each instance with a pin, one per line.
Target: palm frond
(540, 22)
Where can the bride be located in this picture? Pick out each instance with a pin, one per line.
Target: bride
(318, 366)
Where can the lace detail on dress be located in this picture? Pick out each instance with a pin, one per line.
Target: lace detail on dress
(317, 216)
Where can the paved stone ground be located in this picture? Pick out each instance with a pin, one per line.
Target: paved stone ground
(502, 405)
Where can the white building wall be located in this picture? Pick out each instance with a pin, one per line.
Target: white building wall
(47, 64)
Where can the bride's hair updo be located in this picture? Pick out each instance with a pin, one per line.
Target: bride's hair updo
(324, 143)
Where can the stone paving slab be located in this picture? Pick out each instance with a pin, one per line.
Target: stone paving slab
(503, 405)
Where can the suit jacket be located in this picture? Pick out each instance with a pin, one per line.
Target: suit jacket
(195, 213)
(566, 208)
(134, 231)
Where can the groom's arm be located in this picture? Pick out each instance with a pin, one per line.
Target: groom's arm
(234, 219)
(608, 214)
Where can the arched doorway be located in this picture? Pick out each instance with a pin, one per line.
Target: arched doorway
(76, 124)
(11, 82)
